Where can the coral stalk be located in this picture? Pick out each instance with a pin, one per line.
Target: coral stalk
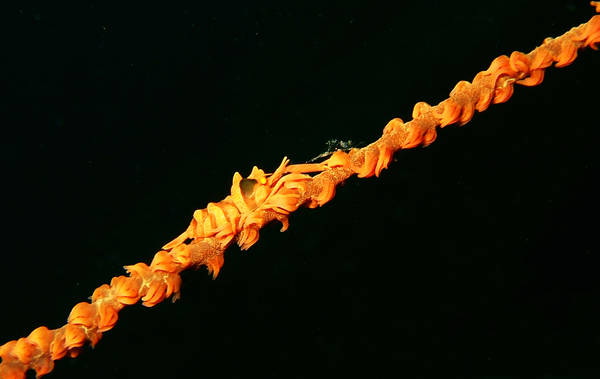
(261, 198)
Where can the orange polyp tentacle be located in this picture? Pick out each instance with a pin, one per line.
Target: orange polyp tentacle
(305, 168)
(74, 337)
(82, 314)
(536, 77)
(241, 215)
(338, 159)
(125, 289)
(108, 317)
(519, 62)
(41, 337)
(24, 349)
(57, 348)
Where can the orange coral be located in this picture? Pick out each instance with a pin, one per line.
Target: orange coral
(260, 198)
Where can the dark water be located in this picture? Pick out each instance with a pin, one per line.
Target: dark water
(476, 256)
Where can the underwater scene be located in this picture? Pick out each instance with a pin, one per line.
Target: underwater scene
(473, 256)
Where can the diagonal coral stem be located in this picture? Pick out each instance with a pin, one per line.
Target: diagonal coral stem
(260, 198)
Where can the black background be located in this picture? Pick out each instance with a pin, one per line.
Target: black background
(476, 256)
